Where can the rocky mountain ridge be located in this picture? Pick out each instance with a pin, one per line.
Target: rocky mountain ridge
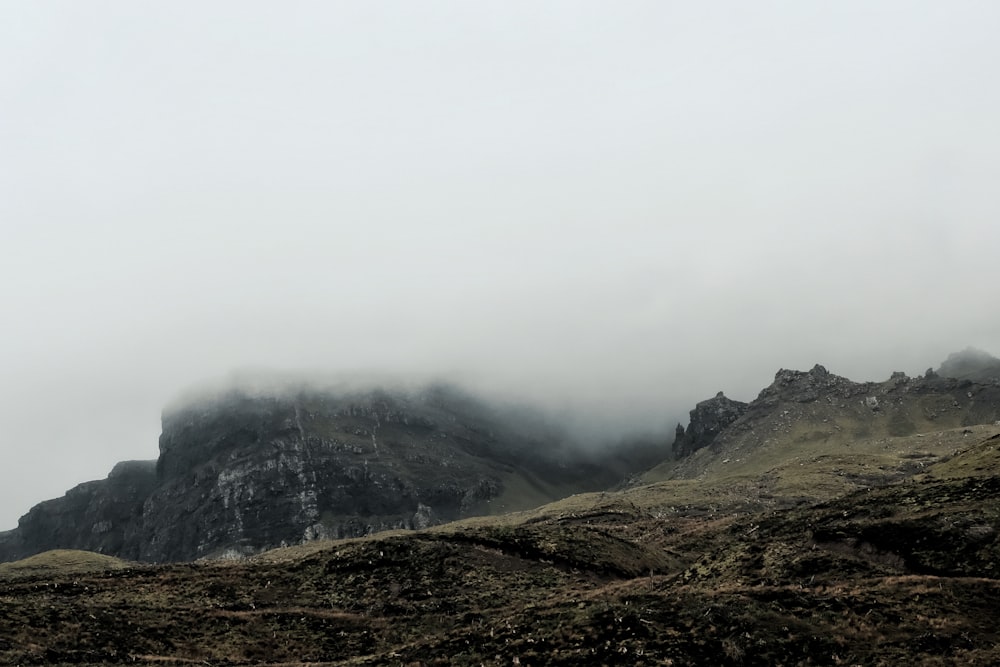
(826, 522)
(241, 473)
(821, 411)
(900, 574)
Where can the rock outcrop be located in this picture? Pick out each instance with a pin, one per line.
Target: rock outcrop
(708, 419)
(818, 406)
(241, 473)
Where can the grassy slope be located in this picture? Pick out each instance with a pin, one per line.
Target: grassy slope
(61, 562)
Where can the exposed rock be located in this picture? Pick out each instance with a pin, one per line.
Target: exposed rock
(238, 474)
(805, 387)
(708, 419)
(97, 514)
(819, 406)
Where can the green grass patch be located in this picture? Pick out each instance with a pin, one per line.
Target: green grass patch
(62, 561)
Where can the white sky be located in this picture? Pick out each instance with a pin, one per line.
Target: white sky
(619, 207)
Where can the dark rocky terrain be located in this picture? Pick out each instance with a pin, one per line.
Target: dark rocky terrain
(827, 523)
(708, 419)
(240, 473)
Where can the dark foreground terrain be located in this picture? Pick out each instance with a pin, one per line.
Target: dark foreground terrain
(667, 573)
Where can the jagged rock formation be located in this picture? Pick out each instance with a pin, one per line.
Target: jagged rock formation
(239, 474)
(818, 406)
(708, 419)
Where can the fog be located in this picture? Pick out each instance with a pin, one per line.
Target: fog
(611, 210)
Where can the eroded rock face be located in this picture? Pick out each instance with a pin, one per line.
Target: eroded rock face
(270, 472)
(239, 474)
(708, 419)
(96, 514)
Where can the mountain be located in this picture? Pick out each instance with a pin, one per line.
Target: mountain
(805, 423)
(827, 522)
(241, 472)
(971, 364)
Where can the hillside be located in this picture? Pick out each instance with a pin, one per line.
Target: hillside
(811, 435)
(901, 574)
(776, 541)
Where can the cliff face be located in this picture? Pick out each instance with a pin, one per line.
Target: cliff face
(97, 513)
(708, 419)
(239, 474)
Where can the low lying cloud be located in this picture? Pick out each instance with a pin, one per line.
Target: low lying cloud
(608, 212)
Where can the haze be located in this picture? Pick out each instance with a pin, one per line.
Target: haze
(611, 209)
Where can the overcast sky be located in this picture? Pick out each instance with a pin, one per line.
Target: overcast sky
(619, 207)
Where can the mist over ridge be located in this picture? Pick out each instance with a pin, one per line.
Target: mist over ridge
(585, 422)
(580, 424)
(605, 212)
